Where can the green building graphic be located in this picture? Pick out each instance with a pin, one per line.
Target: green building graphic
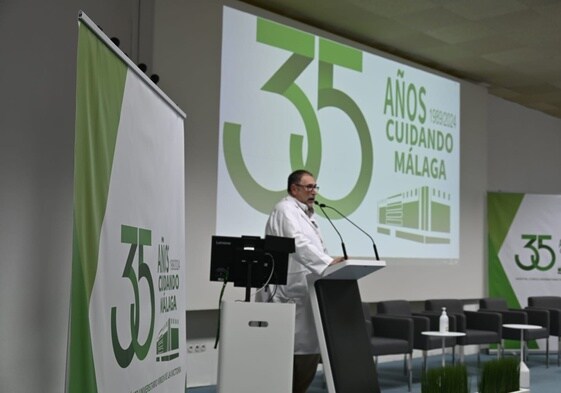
(420, 215)
(167, 347)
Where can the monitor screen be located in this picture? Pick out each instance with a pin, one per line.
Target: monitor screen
(250, 261)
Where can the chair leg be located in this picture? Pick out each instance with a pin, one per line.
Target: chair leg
(500, 350)
(478, 355)
(405, 364)
(547, 352)
(425, 361)
(409, 371)
(453, 354)
(558, 351)
(462, 354)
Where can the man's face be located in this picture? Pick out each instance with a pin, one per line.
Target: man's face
(305, 191)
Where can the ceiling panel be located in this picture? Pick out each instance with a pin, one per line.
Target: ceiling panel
(512, 47)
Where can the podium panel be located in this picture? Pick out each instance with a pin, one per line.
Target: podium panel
(346, 337)
(256, 347)
(344, 343)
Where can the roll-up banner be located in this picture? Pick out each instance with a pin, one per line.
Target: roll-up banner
(127, 306)
(524, 247)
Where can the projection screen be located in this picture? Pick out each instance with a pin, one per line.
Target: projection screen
(381, 137)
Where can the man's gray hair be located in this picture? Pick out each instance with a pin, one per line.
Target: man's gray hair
(296, 176)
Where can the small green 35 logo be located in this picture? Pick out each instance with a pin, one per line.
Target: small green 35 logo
(137, 238)
(537, 245)
(283, 82)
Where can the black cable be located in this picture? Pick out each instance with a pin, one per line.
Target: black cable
(219, 309)
(271, 275)
(273, 293)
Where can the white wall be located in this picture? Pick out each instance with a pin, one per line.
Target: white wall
(523, 149)
(37, 93)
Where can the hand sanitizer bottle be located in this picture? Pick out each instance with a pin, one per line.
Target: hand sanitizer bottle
(443, 322)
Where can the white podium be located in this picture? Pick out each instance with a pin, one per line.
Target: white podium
(343, 339)
(256, 347)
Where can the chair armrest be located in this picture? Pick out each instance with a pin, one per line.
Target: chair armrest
(460, 322)
(555, 320)
(538, 317)
(484, 321)
(393, 327)
(510, 316)
(420, 324)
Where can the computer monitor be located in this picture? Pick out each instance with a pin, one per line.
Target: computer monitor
(250, 261)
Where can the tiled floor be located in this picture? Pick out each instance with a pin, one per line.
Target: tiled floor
(392, 379)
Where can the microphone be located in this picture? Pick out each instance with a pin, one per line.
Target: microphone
(321, 206)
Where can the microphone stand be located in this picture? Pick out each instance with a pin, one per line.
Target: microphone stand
(322, 205)
(333, 225)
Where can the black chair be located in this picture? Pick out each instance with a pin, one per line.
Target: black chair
(553, 305)
(479, 327)
(421, 322)
(391, 336)
(519, 316)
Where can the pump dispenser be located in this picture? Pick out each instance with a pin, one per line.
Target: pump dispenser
(443, 322)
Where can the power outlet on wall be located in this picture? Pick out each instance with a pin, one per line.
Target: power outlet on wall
(202, 362)
(196, 348)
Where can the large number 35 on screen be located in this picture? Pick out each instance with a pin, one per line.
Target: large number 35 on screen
(283, 82)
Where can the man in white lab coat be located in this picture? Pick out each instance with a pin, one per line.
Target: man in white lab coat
(293, 217)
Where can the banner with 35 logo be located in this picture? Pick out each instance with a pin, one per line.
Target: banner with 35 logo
(524, 246)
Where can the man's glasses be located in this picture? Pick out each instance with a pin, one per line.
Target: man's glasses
(309, 187)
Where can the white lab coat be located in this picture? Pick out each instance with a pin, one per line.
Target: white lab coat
(289, 219)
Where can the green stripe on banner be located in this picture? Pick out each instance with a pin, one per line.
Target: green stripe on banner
(501, 210)
(499, 286)
(100, 85)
